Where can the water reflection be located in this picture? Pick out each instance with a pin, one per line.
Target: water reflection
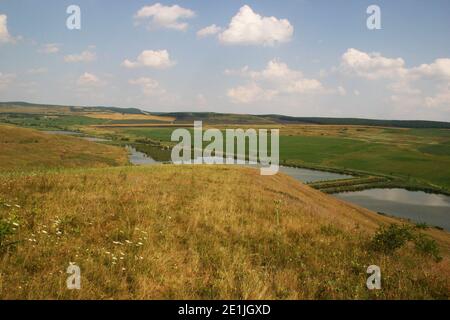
(433, 209)
(307, 175)
(139, 158)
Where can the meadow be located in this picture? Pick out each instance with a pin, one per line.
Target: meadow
(198, 232)
(172, 232)
(25, 149)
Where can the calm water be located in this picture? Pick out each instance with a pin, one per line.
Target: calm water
(63, 132)
(307, 175)
(94, 139)
(433, 209)
(138, 158)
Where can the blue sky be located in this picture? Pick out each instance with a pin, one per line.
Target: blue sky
(303, 58)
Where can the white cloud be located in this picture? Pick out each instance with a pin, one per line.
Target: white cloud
(149, 58)
(85, 56)
(403, 86)
(250, 28)
(405, 83)
(149, 87)
(89, 80)
(6, 79)
(250, 93)
(50, 48)
(441, 100)
(440, 68)
(5, 36)
(275, 79)
(165, 16)
(208, 31)
(372, 65)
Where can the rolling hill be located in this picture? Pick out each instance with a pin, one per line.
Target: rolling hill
(207, 117)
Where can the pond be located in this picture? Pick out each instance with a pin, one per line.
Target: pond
(64, 132)
(139, 158)
(308, 175)
(433, 209)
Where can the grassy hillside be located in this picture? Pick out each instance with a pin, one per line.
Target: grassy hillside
(25, 149)
(197, 232)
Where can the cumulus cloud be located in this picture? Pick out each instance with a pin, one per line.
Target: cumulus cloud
(372, 65)
(250, 93)
(161, 16)
(441, 100)
(250, 28)
(275, 79)
(50, 48)
(89, 80)
(85, 56)
(408, 85)
(150, 58)
(440, 68)
(208, 31)
(5, 36)
(149, 86)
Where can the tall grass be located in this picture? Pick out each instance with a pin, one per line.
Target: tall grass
(192, 232)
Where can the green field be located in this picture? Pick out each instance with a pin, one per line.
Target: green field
(414, 156)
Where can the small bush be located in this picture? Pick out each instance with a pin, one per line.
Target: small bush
(427, 246)
(421, 225)
(388, 239)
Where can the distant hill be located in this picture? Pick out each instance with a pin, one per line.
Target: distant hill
(218, 118)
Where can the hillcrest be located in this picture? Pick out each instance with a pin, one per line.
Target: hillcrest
(236, 141)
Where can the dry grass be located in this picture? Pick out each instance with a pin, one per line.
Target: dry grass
(35, 109)
(143, 125)
(165, 232)
(25, 149)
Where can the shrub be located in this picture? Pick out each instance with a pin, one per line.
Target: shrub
(421, 225)
(388, 239)
(427, 246)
